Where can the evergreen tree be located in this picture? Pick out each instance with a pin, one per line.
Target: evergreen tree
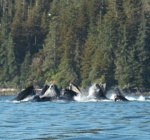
(12, 65)
(126, 59)
(4, 34)
(81, 41)
(142, 51)
(25, 70)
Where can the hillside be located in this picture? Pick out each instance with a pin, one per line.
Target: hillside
(80, 41)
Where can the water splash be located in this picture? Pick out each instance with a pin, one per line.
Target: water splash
(111, 94)
(141, 98)
(88, 96)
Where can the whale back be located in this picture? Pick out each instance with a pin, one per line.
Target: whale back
(29, 91)
(119, 96)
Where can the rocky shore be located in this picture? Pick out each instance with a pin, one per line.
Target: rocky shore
(8, 91)
(12, 91)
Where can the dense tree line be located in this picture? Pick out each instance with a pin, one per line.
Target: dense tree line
(80, 41)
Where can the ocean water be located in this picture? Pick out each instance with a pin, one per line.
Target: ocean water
(82, 119)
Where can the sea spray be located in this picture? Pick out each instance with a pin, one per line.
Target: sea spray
(110, 94)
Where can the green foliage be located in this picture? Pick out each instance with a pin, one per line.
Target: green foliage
(25, 67)
(81, 41)
(12, 65)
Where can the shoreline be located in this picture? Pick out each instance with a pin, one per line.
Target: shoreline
(8, 91)
(12, 91)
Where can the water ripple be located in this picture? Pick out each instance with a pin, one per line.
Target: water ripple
(74, 120)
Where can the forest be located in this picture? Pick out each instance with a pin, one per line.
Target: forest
(79, 41)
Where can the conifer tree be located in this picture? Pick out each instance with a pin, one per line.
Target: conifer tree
(85, 40)
(126, 52)
(4, 34)
(25, 69)
(12, 65)
(142, 50)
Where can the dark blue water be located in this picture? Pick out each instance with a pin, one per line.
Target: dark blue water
(74, 120)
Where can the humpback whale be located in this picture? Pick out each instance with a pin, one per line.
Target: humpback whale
(52, 92)
(70, 93)
(28, 92)
(44, 89)
(119, 96)
(49, 93)
(74, 88)
(97, 91)
(37, 97)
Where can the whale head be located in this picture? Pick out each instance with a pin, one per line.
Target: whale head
(52, 91)
(28, 92)
(96, 91)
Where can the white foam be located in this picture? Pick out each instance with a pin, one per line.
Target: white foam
(130, 98)
(29, 98)
(87, 97)
(141, 98)
(110, 94)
